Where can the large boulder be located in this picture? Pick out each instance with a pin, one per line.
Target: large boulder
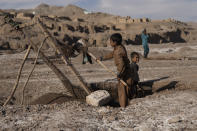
(98, 98)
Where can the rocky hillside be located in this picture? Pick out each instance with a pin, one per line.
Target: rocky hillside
(70, 23)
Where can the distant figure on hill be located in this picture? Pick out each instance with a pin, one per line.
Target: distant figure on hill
(144, 38)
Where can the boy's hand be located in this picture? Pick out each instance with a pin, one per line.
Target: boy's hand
(99, 58)
(118, 77)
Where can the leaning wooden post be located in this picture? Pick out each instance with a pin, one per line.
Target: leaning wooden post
(54, 44)
(23, 89)
(18, 77)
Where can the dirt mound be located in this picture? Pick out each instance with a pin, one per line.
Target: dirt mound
(42, 6)
(51, 98)
(70, 10)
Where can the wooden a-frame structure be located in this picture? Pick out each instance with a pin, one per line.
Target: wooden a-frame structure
(53, 43)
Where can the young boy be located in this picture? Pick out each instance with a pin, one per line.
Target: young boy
(123, 68)
(134, 69)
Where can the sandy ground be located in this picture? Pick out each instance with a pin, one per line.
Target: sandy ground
(170, 71)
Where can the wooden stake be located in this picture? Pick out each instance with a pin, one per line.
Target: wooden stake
(18, 76)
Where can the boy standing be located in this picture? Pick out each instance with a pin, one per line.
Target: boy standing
(123, 68)
(134, 69)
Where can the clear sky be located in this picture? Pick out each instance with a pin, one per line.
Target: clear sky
(184, 10)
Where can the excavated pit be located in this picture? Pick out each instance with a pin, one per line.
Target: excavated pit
(80, 95)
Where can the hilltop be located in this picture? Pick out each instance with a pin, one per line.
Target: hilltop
(70, 23)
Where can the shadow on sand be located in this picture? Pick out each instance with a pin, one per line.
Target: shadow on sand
(169, 86)
(146, 87)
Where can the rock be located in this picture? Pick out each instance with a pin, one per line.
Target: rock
(4, 45)
(28, 16)
(98, 98)
(125, 129)
(174, 119)
(3, 112)
(103, 110)
(113, 118)
(143, 127)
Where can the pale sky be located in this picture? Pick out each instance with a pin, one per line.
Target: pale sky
(184, 10)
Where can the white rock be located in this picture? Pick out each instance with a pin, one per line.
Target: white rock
(103, 110)
(143, 128)
(98, 98)
(174, 119)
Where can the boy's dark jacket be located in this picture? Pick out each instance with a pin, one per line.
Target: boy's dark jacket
(134, 72)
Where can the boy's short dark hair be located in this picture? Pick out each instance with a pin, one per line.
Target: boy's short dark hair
(116, 37)
(133, 54)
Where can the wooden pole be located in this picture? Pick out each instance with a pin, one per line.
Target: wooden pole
(18, 76)
(124, 83)
(23, 89)
(54, 44)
